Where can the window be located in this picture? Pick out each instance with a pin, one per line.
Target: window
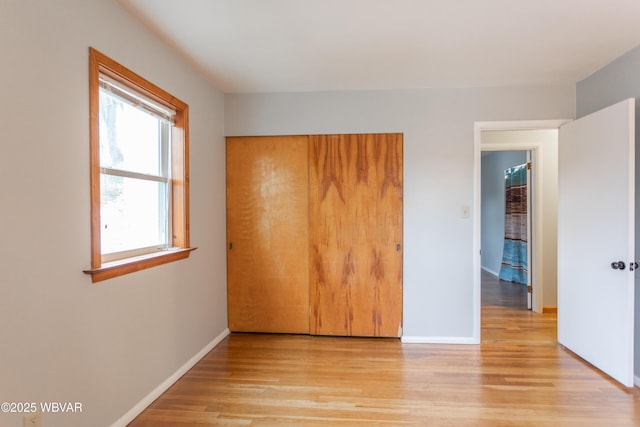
(139, 172)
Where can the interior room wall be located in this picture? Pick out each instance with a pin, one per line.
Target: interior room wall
(613, 83)
(64, 339)
(438, 128)
(494, 163)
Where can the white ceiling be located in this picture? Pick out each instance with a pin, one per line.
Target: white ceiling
(320, 45)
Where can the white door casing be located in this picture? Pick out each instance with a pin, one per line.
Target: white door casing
(537, 149)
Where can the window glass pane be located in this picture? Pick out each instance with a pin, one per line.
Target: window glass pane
(129, 137)
(132, 213)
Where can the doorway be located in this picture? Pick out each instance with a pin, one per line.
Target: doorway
(525, 136)
(505, 225)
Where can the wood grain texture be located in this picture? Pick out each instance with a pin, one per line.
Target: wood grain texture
(355, 216)
(518, 376)
(268, 234)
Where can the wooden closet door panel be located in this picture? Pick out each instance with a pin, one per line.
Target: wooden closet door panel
(267, 234)
(355, 214)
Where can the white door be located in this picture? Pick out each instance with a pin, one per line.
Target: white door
(596, 164)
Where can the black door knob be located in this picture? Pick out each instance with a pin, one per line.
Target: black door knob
(618, 265)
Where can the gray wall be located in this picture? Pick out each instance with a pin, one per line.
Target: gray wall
(62, 338)
(618, 81)
(438, 127)
(493, 204)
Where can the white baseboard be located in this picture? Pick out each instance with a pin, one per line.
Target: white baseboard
(156, 392)
(488, 270)
(439, 340)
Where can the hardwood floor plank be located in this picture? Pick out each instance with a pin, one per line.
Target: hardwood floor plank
(517, 376)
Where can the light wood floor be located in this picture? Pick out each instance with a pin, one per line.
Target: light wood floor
(518, 376)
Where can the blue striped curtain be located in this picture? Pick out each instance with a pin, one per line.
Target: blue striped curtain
(514, 254)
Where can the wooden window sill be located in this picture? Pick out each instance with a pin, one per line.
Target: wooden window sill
(109, 270)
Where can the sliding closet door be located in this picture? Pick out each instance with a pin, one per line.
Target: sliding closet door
(355, 209)
(267, 234)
